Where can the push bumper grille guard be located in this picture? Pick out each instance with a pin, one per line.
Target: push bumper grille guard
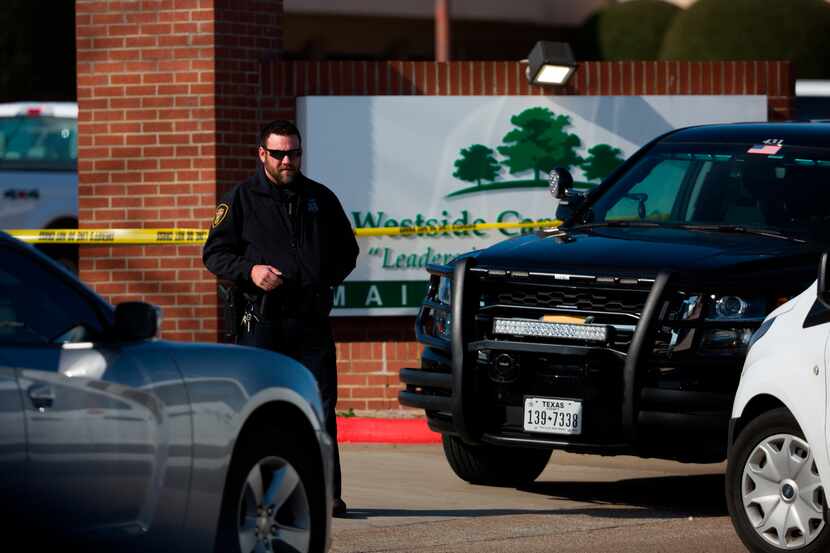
(462, 294)
(639, 348)
(458, 380)
(459, 402)
(432, 389)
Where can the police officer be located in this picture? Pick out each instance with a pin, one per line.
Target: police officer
(285, 242)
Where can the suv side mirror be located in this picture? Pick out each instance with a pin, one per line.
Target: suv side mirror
(823, 284)
(136, 320)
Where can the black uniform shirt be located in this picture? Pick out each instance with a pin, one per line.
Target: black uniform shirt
(253, 226)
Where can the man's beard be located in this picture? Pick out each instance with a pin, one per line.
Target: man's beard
(281, 175)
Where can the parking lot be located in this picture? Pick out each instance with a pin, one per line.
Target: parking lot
(406, 498)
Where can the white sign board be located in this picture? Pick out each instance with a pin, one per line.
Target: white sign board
(435, 160)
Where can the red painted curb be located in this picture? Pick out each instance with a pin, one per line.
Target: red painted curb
(358, 430)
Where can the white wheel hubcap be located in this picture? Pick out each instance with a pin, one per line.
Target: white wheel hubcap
(782, 492)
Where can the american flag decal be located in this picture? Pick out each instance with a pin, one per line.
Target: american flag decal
(764, 149)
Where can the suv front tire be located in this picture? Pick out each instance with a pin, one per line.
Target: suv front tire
(491, 465)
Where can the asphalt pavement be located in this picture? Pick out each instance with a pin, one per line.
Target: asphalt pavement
(406, 498)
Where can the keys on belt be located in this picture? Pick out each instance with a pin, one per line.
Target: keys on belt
(251, 317)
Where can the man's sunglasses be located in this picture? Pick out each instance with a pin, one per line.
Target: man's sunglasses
(280, 154)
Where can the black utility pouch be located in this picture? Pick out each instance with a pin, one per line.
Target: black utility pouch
(232, 307)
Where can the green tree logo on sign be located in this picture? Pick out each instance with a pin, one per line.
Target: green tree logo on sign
(538, 142)
(476, 164)
(601, 160)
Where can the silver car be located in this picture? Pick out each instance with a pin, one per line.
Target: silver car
(108, 435)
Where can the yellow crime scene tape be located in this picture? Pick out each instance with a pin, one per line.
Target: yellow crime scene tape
(198, 236)
(111, 236)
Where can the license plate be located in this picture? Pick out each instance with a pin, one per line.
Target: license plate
(553, 416)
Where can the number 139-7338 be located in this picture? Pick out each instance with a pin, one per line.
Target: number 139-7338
(561, 420)
(553, 415)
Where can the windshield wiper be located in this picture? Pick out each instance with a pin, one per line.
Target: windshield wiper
(739, 229)
(619, 224)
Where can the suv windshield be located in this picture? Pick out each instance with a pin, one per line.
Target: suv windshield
(783, 189)
(38, 143)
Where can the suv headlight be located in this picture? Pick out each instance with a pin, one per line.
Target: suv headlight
(444, 293)
(443, 318)
(737, 318)
(726, 341)
(735, 308)
(714, 307)
(743, 311)
(437, 313)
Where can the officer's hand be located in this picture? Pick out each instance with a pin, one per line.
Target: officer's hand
(266, 277)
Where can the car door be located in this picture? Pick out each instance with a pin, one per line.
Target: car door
(12, 442)
(813, 354)
(101, 441)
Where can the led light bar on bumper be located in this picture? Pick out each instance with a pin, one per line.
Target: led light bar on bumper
(542, 329)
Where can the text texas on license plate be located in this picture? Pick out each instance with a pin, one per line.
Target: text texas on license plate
(552, 415)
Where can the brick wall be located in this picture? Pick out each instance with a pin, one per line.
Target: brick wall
(165, 120)
(371, 351)
(284, 81)
(171, 94)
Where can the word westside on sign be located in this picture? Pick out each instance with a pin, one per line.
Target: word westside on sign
(434, 225)
(380, 224)
(391, 260)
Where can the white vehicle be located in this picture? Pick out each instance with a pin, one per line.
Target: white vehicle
(778, 467)
(38, 170)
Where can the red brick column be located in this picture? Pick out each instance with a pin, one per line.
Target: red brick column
(167, 119)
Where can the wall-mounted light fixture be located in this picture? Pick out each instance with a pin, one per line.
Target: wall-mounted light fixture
(550, 63)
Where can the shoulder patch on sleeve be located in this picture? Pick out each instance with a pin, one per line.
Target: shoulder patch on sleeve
(221, 211)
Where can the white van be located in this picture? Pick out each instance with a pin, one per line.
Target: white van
(39, 169)
(779, 463)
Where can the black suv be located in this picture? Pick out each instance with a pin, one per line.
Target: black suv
(624, 329)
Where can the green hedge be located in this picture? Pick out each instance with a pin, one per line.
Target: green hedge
(634, 30)
(795, 30)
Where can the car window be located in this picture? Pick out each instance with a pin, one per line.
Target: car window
(38, 143)
(653, 198)
(38, 306)
(723, 184)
